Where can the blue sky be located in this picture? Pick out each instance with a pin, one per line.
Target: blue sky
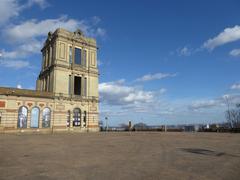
(160, 62)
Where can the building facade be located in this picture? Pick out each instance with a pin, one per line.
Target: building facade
(66, 96)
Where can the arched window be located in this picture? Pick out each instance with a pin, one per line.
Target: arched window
(46, 121)
(76, 117)
(22, 117)
(34, 117)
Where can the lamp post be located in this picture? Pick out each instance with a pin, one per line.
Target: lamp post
(106, 118)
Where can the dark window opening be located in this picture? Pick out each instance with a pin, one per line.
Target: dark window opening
(85, 119)
(77, 56)
(77, 85)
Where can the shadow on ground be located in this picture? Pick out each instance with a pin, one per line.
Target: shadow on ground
(206, 152)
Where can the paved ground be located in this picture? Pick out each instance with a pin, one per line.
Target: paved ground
(120, 156)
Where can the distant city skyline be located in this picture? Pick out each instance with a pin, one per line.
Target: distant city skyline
(160, 62)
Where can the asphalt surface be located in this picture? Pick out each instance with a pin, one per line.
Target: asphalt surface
(122, 155)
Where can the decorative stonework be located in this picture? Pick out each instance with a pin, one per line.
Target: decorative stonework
(78, 34)
(29, 104)
(41, 105)
(93, 108)
(60, 107)
(2, 104)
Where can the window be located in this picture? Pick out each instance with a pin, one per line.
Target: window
(93, 59)
(76, 117)
(46, 118)
(84, 59)
(70, 54)
(77, 85)
(77, 57)
(22, 117)
(34, 118)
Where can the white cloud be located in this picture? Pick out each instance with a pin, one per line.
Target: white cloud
(12, 8)
(157, 76)
(8, 9)
(204, 104)
(15, 64)
(228, 35)
(33, 28)
(19, 86)
(28, 37)
(115, 93)
(236, 86)
(41, 3)
(185, 51)
(235, 52)
(100, 32)
(23, 50)
(232, 99)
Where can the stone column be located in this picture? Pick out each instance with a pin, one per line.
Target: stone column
(43, 60)
(46, 58)
(28, 118)
(82, 85)
(47, 83)
(72, 84)
(43, 86)
(81, 118)
(50, 55)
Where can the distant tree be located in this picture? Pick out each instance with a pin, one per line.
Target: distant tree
(125, 126)
(233, 116)
(140, 127)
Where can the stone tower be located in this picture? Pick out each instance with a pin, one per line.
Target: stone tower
(69, 70)
(69, 65)
(66, 95)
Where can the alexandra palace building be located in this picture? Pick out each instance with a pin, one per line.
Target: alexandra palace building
(66, 96)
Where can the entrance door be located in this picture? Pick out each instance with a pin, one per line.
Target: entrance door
(76, 117)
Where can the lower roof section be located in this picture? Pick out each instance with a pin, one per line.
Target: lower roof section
(25, 92)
